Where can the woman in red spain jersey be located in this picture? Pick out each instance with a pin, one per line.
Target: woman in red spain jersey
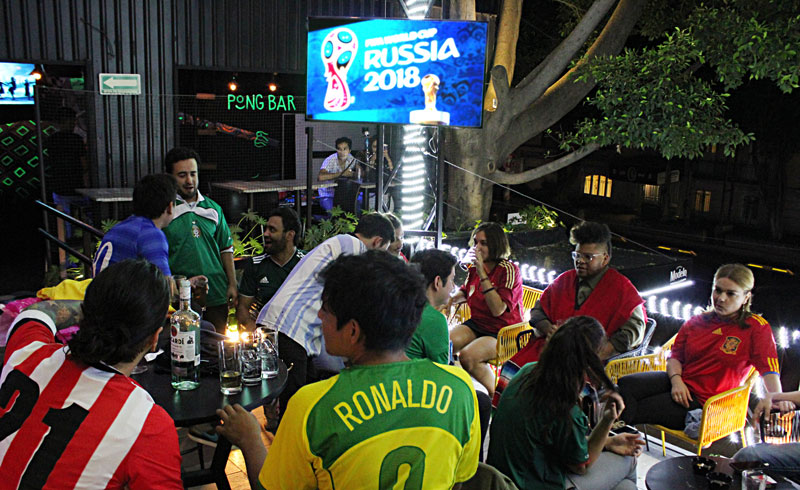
(493, 291)
(712, 353)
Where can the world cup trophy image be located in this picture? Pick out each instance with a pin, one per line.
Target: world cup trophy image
(430, 87)
(338, 52)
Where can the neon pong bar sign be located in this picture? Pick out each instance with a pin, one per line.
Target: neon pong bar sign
(396, 71)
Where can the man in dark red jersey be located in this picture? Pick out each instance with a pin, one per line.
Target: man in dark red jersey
(592, 289)
(71, 417)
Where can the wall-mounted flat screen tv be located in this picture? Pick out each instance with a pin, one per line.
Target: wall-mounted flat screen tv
(396, 71)
(16, 83)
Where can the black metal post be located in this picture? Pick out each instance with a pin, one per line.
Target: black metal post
(379, 170)
(40, 154)
(309, 173)
(439, 185)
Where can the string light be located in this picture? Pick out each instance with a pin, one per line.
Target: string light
(412, 197)
(233, 85)
(654, 304)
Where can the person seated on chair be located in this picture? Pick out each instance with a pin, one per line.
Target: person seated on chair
(340, 164)
(779, 457)
(713, 352)
(493, 292)
(74, 418)
(592, 289)
(382, 417)
(292, 311)
(265, 273)
(396, 247)
(431, 339)
(539, 433)
(140, 235)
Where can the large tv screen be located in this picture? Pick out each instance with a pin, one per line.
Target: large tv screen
(16, 83)
(396, 71)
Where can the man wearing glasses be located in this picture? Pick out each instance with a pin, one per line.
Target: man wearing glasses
(592, 289)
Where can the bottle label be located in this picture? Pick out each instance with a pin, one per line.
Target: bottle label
(183, 346)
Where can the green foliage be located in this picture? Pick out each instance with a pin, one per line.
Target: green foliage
(660, 98)
(651, 98)
(536, 217)
(339, 222)
(751, 40)
(248, 243)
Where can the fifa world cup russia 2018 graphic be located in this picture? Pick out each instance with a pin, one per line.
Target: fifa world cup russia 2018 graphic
(338, 52)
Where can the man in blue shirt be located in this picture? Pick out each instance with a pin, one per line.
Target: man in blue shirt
(140, 235)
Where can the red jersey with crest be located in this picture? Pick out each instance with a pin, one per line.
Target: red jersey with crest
(64, 424)
(507, 281)
(716, 355)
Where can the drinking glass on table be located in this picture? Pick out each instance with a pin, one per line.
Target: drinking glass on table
(268, 350)
(754, 479)
(230, 367)
(199, 293)
(251, 360)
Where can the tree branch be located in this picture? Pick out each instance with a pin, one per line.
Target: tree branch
(546, 169)
(505, 53)
(536, 82)
(462, 9)
(500, 81)
(565, 94)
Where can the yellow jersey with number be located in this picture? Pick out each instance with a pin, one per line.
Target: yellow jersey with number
(412, 423)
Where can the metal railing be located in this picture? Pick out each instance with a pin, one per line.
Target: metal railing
(89, 234)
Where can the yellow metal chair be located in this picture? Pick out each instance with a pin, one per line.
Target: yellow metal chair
(507, 337)
(507, 344)
(656, 361)
(723, 415)
(529, 297)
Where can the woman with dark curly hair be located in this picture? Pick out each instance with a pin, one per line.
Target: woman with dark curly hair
(105, 431)
(493, 292)
(540, 437)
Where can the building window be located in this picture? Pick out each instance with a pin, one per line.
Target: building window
(702, 201)
(597, 185)
(651, 192)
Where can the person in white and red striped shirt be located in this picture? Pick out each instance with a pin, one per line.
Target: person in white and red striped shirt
(70, 416)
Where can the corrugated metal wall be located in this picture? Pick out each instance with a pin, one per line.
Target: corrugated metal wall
(129, 135)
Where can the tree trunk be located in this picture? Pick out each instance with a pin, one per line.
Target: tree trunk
(469, 197)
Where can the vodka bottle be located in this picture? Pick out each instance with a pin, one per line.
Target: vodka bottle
(185, 342)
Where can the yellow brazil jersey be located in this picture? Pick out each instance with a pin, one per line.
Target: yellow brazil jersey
(371, 427)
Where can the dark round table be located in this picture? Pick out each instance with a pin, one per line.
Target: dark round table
(675, 473)
(200, 405)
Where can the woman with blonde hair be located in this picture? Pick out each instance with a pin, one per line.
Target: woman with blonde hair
(712, 353)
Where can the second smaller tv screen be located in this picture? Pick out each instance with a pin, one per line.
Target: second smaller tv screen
(396, 71)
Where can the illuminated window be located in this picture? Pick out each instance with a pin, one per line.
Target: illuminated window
(702, 201)
(651, 192)
(597, 185)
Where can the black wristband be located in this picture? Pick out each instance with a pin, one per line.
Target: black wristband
(488, 290)
(676, 374)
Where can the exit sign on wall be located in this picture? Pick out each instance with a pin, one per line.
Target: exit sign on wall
(120, 84)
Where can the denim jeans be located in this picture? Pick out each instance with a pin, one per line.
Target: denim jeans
(610, 471)
(781, 457)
